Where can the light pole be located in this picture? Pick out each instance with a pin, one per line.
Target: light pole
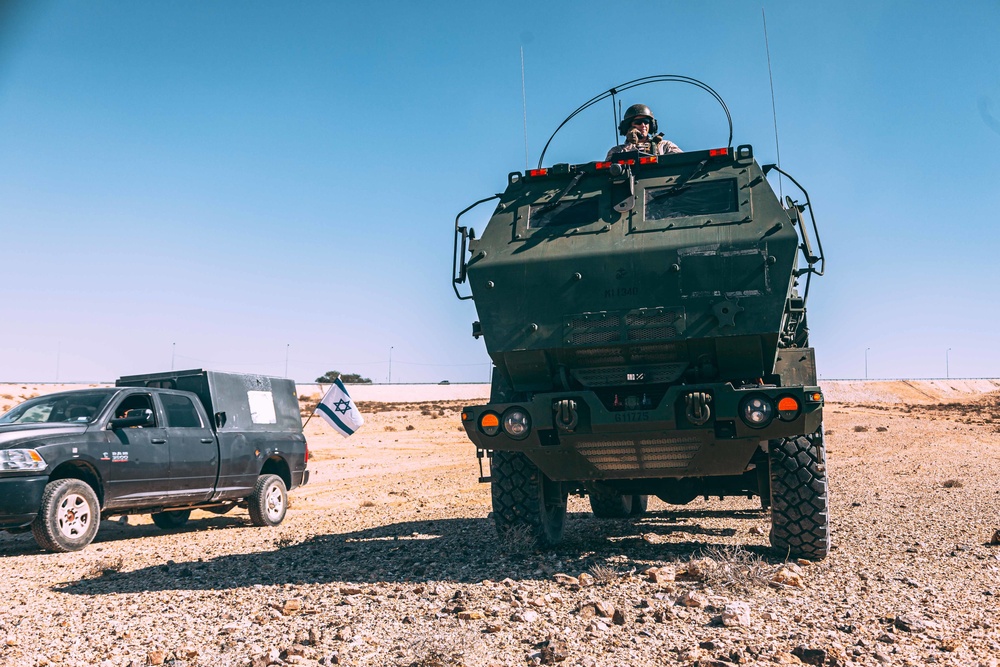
(173, 354)
(866, 362)
(287, 345)
(947, 370)
(390, 365)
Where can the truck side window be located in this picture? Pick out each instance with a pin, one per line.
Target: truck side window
(180, 411)
(136, 402)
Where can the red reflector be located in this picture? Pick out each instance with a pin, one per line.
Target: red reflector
(788, 404)
(602, 165)
(648, 160)
(307, 455)
(538, 172)
(626, 161)
(716, 152)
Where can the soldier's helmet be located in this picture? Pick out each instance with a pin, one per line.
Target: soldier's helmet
(633, 111)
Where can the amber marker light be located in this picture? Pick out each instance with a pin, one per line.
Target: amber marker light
(489, 423)
(815, 397)
(788, 408)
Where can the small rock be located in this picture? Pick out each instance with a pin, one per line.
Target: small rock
(757, 530)
(995, 540)
(787, 577)
(736, 614)
(784, 658)
(492, 628)
(692, 599)
(565, 579)
(618, 618)
(471, 615)
(350, 590)
(660, 575)
(156, 657)
(909, 623)
(528, 616)
(344, 634)
(554, 651)
(949, 644)
(586, 579)
(604, 609)
(810, 656)
(290, 607)
(700, 568)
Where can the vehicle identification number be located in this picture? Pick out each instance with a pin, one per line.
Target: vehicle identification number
(632, 416)
(616, 292)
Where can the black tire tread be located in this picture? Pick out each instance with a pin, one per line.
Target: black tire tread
(518, 499)
(257, 502)
(171, 519)
(800, 507)
(607, 503)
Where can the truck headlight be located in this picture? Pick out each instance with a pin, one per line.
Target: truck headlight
(757, 411)
(21, 459)
(516, 423)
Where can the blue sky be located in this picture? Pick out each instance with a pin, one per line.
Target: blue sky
(256, 185)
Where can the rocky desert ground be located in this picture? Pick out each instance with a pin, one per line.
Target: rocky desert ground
(389, 557)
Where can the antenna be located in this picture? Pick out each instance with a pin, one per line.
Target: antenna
(774, 111)
(524, 104)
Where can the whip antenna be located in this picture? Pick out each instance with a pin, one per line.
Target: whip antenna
(774, 111)
(524, 105)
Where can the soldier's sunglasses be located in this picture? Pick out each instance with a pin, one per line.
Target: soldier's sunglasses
(641, 121)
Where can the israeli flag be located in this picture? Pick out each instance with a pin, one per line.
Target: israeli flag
(339, 411)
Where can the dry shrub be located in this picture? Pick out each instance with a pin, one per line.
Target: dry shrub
(603, 574)
(106, 567)
(390, 428)
(881, 429)
(368, 503)
(952, 484)
(860, 429)
(410, 427)
(517, 539)
(7, 397)
(737, 569)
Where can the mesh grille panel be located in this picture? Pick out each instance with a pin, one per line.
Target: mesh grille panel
(636, 455)
(592, 337)
(638, 320)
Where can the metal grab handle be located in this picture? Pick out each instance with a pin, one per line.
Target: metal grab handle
(459, 268)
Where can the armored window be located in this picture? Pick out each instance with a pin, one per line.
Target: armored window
(136, 402)
(180, 410)
(704, 198)
(573, 212)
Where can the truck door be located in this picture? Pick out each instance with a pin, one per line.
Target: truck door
(137, 458)
(194, 454)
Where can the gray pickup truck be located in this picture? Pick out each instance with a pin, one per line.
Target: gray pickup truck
(162, 444)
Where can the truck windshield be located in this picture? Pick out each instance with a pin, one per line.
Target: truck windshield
(80, 407)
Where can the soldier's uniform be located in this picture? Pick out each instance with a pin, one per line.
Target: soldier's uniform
(654, 143)
(654, 146)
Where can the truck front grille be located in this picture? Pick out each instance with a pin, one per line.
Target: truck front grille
(639, 455)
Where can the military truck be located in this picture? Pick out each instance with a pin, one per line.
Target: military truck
(649, 337)
(162, 444)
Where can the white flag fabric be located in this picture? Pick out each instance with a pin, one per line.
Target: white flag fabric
(339, 410)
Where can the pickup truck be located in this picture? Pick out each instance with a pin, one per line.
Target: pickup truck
(162, 444)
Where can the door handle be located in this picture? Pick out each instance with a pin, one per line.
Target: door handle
(158, 441)
(207, 440)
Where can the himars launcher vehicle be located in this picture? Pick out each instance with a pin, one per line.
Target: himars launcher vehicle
(649, 337)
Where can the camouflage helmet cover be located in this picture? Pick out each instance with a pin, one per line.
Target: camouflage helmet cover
(632, 112)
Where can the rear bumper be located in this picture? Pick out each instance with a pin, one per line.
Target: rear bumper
(20, 498)
(657, 442)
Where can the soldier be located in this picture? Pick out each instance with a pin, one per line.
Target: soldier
(639, 129)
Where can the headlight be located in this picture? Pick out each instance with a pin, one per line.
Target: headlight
(757, 411)
(21, 459)
(489, 423)
(516, 423)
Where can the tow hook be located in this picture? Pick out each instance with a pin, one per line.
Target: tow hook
(697, 408)
(566, 416)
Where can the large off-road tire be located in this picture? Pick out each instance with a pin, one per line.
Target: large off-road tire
(171, 520)
(69, 516)
(269, 501)
(524, 499)
(800, 503)
(607, 503)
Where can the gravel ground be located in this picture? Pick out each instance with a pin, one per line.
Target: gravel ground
(389, 557)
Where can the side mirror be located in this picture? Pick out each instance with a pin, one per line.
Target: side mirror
(136, 417)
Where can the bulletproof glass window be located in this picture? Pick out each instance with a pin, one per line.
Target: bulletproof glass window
(136, 402)
(573, 212)
(181, 412)
(704, 198)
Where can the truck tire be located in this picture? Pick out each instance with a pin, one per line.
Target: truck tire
(68, 518)
(171, 520)
(525, 499)
(800, 505)
(269, 501)
(606, 503)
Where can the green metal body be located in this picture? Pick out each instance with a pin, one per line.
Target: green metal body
(625, 289)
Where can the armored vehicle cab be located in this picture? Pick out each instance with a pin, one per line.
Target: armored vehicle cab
(649, 338)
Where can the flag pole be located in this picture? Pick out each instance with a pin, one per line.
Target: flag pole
(313, 413)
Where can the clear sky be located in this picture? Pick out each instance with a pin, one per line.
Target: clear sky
(257, 186)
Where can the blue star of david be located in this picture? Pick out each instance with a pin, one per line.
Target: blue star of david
(342, 406)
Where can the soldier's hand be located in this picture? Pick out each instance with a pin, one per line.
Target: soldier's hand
(632, 136)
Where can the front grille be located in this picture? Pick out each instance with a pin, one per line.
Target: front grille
(643, 324)
(652, 333)
(641, 455)
(613, 376)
